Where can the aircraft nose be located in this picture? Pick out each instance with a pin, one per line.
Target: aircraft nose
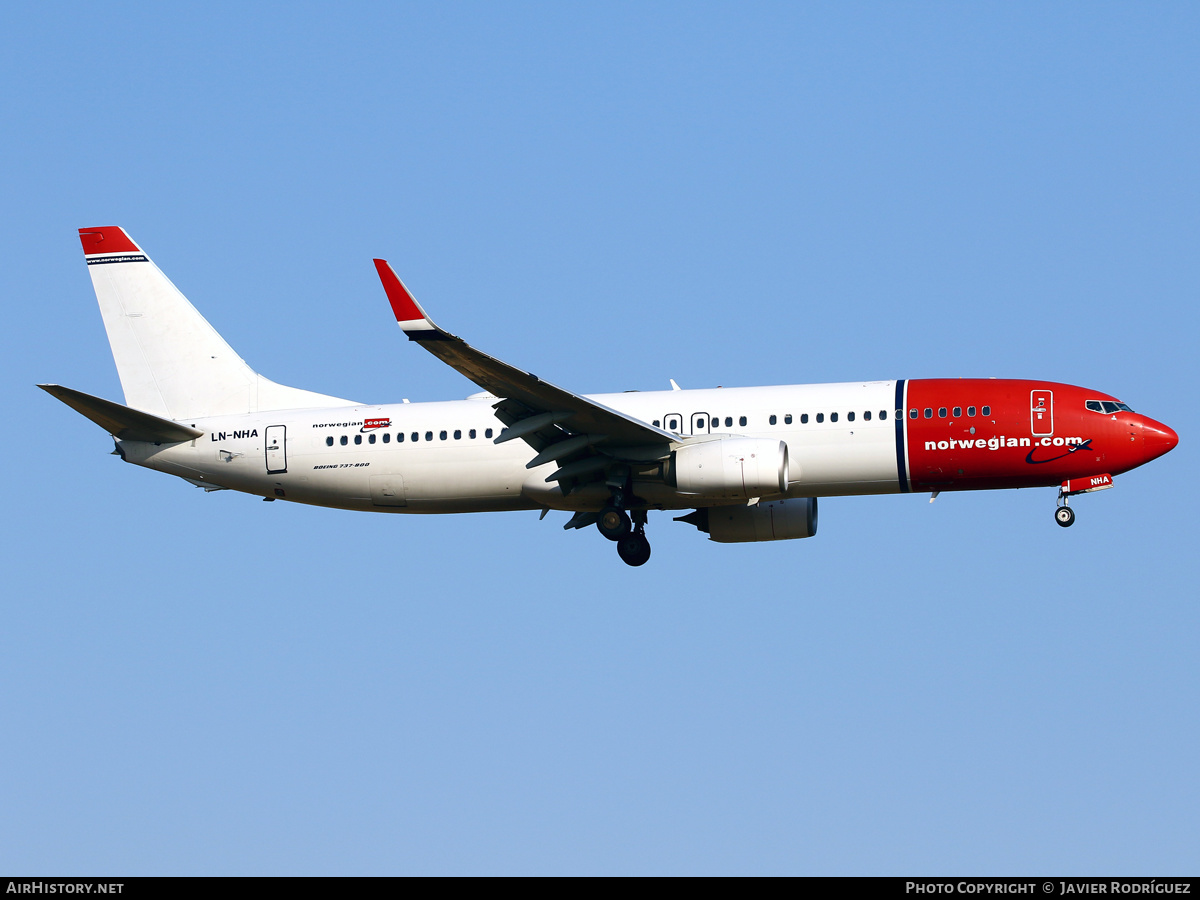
(1157, 439)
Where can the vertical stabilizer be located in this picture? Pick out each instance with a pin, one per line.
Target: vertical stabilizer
(172, 363)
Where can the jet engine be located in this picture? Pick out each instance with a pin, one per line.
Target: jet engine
(776, 520)
(731, 468)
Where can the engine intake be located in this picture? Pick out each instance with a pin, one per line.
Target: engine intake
(731, 468)
(776, 520)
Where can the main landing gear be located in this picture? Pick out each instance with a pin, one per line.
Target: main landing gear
(630, 534)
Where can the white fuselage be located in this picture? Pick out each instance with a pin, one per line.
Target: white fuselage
(438, 457)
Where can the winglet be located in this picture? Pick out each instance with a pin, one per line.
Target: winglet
(409, 314)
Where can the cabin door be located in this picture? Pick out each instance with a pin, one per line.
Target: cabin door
(276, 449)
(1041, 412)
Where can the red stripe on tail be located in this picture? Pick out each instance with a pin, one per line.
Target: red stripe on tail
(107, 239)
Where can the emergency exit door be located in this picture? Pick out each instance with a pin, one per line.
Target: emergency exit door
(276, 449)
(1041, 412)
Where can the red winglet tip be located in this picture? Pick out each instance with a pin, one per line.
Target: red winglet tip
(106, 239)
(403, 305)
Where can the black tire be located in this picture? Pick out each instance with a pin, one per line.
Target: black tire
(613, 523)
(634, 550)
(1064, 516)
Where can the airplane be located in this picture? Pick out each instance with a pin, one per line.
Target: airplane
(749, 463)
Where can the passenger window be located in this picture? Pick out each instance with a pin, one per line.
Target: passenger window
(457, 435)
(400, 437)
(957, 411)
(672, 425)
(787, 419)
(429, 435)
(716, 423)
(329, 441)
(729, 421)
(656, 423)
(772, 420)
(928, 413)
(471, 434)
(387, 437)
(371, 439)
(941, 412)
(416, 436)
(883, 415)
(833, 417)
(867, 415)
(344, 440)
(850, 416)
(803, 418)
(820, 418)
(441, 435)
(912, 413)
(987, 410)
(971, 411)
(742, 421)
(358, 439)
(488, 433)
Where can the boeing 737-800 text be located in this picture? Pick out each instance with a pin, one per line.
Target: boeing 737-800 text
(749, 462)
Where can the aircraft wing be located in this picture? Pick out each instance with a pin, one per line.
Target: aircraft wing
(540, 413)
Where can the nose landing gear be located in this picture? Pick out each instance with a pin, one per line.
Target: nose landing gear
(1064, 515)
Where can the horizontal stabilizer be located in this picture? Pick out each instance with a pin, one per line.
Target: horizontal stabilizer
(120, 421)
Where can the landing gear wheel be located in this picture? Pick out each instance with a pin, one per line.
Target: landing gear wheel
(613, 523)
(1064, 516)
(634, 550)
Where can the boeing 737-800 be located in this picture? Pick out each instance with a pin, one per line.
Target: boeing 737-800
(749, 463)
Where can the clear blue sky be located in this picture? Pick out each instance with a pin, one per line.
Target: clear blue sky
(609, 195)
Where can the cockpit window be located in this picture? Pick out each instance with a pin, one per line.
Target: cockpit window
(1107, 406)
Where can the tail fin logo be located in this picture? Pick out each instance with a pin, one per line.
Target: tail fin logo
(109, 244)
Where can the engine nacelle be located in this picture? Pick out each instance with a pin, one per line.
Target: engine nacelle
(731, 468)
(775, 520)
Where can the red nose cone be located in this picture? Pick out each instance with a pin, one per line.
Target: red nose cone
(1158, 439)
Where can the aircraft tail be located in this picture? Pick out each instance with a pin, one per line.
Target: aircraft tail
(172, 363)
